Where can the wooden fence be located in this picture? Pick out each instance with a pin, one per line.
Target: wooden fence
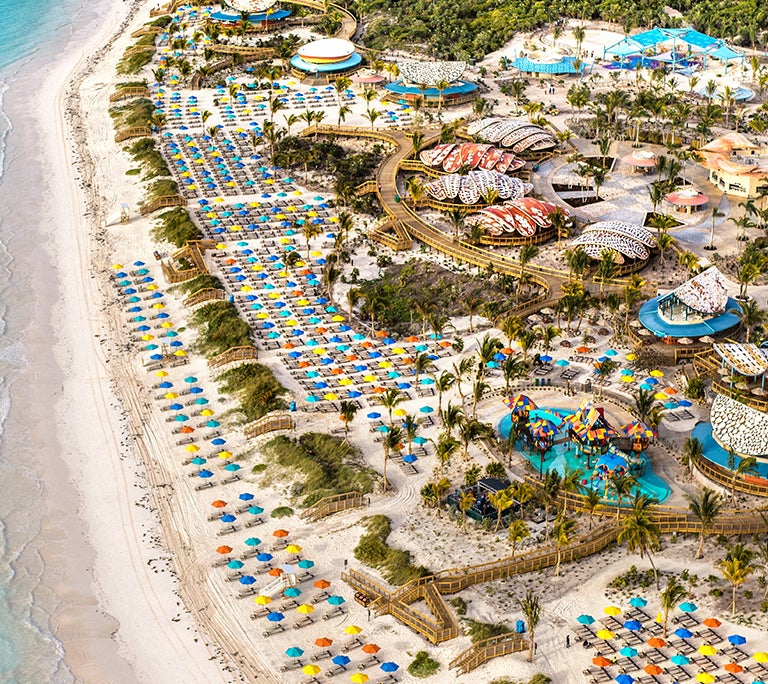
(743, 483)
(269, 423)
(129, 91)
(161, 203)
(482, 651)
(244, 353)
(208, 294)
(333, 504)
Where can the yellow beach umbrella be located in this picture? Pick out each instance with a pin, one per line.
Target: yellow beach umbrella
(262, 314)
(206, 412)
(353, 629)
(171, 395)
(225, 454)
(707, 650)
(263, 600)
(627, 378)
(399, 412)
(161, 374)
(274, 295)
(246, 288)
(330, 396)
(159, 305)
(179, 352)
(166, 324)
(656, 374)
(398, 350)
(293, 548)
(311, 669)
(605, 634)
(369, 378)
(359, 678)
(660, 396)
(192, 448)
(305, 609)
(147, 338)
(612, 610)
(761, 657)
(631, 356)
(344, 382)
(705, 678)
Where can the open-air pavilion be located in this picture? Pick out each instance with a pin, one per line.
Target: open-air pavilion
(677, 47)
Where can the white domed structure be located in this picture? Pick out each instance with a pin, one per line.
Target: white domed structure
(518, 134)
(453, 156)
(470, 188)
(326, 51)
(431, 73)
(625, 239)
(524, 216)
(251, 5)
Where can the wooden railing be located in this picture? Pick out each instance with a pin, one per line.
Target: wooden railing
(136, 49)
(245, 353)
(742, 483)
(129, 91)
(208, 294)
(146, 30)
(269, 423)
(161, 202)
(368, 187)
(482, 651)
(349, 131)
(132, 132)
(192, 251)
(420, 167)
(537, 238)
(743, 397)
(246, 51)
(333, 504)
(399, 241)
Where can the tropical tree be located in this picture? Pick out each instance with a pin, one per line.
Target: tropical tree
(527, 254)
(604, 370)
(591, 503)
(443, 383)
(562, 531)
(347, 412)
(663, 242)
(736, 567)
(548, 495)
(516, 532)
(747, 465)
(410, 428)
(643, 404)
(530, 607)
(466, 500)
(640, 533)
(501, 501)
(390, 399)
(752, 316)
(693, 449)
(446, 447)
(669, 597)
(422, 364)
(705, 506)
(472, 306)
(471, 430)
(621, 485)
(479, 388)
(461, 370)
(392, 441)
(513, 369)
(452, 416)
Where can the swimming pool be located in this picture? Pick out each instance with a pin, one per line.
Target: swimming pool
(566, 457)
(714, 452)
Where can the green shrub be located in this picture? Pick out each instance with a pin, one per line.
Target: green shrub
(205, 281)
(143, 151)
(256, 388)
(162, 22)
(161, 188)
(326, 463)
(478, 631)
(133, 64)
(175, 226)
(459, 605)
(423, 666)
(259, 468)
(221, 328)
(133, 113)
(372, 549)
(282, 512)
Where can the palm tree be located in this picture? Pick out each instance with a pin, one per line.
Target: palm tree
(488, 348)
(443, 383)
(747, 465)
(501, 501)
(736, 567)
(466, 500)
(621, 484)
(461, 371)
(470, 430)
(672, 594)
(644, 402)
(527, 254)
(310, 230)
(452, 417)
(705, 506)
(472, 305)
(663, 242)
(548, 495)
(513, 369)
(516, 532)
(441, 85)
(561, 531)
(530, 607)
(410, 428)
(525, 340)
(390, 399)
(347, 412)
(446, 447)
(392, 441)
(752, 316)
(421, 364)
(606, 267)
(693, 449)
(604, 370)
(479, 388)
(591, 504)
(640, 533)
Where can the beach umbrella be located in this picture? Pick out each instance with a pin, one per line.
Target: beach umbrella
(683, 633)
(359, 678)
(247, 580)
(245, 496)
(305, 609)
(198, 460)
(625, 679)
(638, 602)
(293, 548)
(311, 670)
(705, 678)
(353, 630)
(292, 592)
(205, 474)
(280, 533)
(688, 607)
(714, 623)
(628, 652)
(340, 660)
(760, 657)
(653, 669)
(275, 617)
(294, 652)
(601, 661)
(324, 642)
(218, 503)
(733, 667)
(605, 634)
(585, 619)
(264, 557)
(322, 584)
(255, 510)
(371, 648)
(306, 564)
(252, 541)
(737, 639)
(263, 600)
(633, 625)
(223, 550)
(336, 600)
(389, 666)
(707, 650)
(612, 610)
(680, 659)
(228, 518)
(656, 642)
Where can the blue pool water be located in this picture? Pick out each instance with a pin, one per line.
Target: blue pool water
(715, 453)
(566, 457)
(649, 317)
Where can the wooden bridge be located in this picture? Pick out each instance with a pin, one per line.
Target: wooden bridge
(269, 423)
(208, 294)
(482, 651)
(234, 355)
(162, 203)
(191, 252)
(333, 504)
(129, 91)
(132, 132)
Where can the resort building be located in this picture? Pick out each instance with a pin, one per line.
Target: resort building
(477, 185)
(699, 307)
(453, 156)
(519, 135)
(326, 58)
(436, 83)
(261, 12)
(630, 243)
(736, 166)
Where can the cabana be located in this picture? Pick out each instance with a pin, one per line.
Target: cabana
(692, 42)
(560, 66)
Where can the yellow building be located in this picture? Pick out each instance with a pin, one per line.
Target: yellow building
(737, 166)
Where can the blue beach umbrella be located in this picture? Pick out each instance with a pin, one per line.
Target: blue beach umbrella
(205, 474)
(247, 579)
(306, 564)
(277, 617)
(737, 639)
(294, 652)
(628, 652)
(683, 633)
(585, 619)
(235, 564)
(252, 541)
(340, 660)
(336, 600)
(389, 666)
(633, 625)
(245, 496)
(625, 679)
(228, 518)
(264, 557)
(638, 602)
(255, 510)
(292, 592)
(679, 659)
(688, 607)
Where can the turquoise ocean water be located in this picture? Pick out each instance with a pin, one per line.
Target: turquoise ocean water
(32, 36)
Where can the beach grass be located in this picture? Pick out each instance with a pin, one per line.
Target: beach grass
(477, 631)
(255, 387)
(145, 153)
(133, 113)
(423, 665)
(205, 281)
(327, 465)
(220, 328)
(372, 549)
(162, 187)
(176, 226)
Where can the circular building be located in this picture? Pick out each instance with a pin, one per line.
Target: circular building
(325, 57)
(519, 135)
(423, 80)
(699, 307)
(469, 189)
(259, 12)
(452, 156)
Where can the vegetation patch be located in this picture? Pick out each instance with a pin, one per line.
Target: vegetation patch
(133, 113)
(176, 226)
(282, 512)
(205, 281)
(256, 388)
(220, 328)
(162, 187)
(477, 631)
(423, 665)
(327, 465)
(134, 63)
(144, 152)
(394, 564)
